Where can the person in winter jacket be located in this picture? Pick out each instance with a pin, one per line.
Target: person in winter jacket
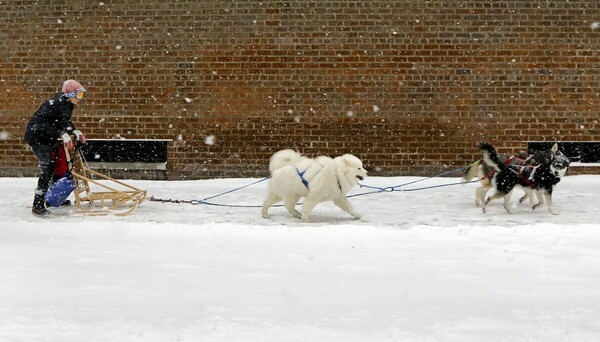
(50, 125)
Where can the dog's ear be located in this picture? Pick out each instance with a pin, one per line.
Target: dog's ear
(554, 148)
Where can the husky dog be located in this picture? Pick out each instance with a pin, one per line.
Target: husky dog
(485, 173)
(542, 177)
(318, 180)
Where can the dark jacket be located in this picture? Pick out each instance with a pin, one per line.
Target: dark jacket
(50, 121)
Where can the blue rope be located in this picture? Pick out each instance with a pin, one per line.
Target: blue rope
(426, 178)
(233, 190)
(393, 188)
(376, 190)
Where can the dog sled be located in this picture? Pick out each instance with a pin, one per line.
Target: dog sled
(96, 193)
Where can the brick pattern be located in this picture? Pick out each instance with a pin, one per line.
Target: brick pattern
(408, 86)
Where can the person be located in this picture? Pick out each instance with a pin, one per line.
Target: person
(50, 125)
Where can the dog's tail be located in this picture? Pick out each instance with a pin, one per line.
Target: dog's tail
(490, 157)
(283, 158)
(472, 171)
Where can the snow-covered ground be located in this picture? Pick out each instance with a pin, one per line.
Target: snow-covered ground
(419, 266)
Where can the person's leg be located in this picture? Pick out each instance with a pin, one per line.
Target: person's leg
(43, 153)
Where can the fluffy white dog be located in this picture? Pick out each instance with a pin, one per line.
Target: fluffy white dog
(318, 180)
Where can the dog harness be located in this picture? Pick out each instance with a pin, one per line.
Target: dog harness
(304, 180)
(525, 171)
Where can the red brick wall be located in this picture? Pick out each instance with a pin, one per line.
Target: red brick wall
(408, 86)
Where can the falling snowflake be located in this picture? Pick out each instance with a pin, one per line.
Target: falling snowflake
(209, 140)
(595, 25)
(375, 108)
(4, 135)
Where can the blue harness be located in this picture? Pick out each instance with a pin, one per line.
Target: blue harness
(301, 175)
(305, 181)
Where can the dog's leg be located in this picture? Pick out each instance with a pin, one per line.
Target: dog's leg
(506, 203)
(496, 195)
(307, 207)
(548, 199)
(269, 201)
(290, 205)
(540, 197)
(525, 197)
(480, 193)
(529, 195)
(345, 205)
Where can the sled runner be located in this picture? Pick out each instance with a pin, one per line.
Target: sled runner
(113, 196)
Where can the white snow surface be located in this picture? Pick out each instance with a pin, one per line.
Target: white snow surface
(419, 266)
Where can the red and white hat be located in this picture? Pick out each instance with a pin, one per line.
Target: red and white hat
(71, 86)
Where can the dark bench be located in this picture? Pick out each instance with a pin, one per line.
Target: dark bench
(126, 154)
(580, 152)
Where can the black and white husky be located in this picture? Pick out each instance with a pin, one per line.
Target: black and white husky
(485, 173)
(542, 177)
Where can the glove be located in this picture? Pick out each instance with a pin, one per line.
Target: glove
(79, 136)
(67, 141)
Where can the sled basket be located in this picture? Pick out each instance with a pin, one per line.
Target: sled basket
(110, 197)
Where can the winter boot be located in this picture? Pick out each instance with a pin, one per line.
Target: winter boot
(66, 203)
(39, 206)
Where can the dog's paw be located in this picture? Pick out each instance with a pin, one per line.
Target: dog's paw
(265, 213)
(356, 215)
(554, 212)
(484, 209)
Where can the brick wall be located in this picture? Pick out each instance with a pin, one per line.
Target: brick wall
(408, 86)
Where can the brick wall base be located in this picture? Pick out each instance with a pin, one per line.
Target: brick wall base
(408, 86)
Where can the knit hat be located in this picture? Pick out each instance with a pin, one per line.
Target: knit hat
(71, 86)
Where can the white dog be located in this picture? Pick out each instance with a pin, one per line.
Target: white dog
(318, 180)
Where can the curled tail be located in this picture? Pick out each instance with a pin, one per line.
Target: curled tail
(283, 158)
(490, 156)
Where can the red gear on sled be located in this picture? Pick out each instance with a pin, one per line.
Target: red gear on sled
(61, 166)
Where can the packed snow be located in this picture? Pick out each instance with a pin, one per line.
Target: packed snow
(419, 266)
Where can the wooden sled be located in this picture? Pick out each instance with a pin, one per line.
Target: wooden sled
(113, 198)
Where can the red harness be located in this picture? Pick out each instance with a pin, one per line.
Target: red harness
(524, 167)
(520, 172)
